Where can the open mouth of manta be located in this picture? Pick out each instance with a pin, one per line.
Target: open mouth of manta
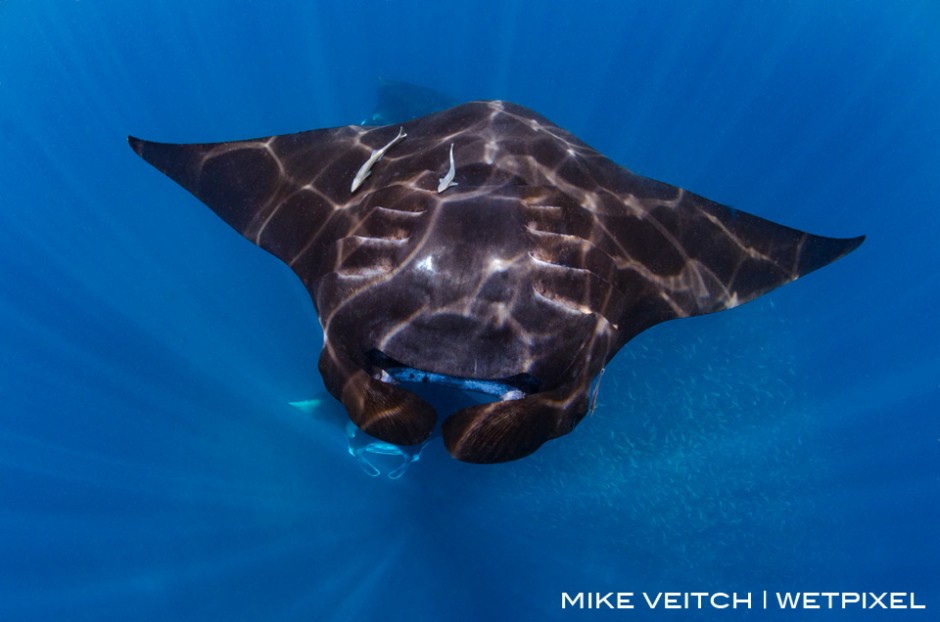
(511, 388)
(479, 419)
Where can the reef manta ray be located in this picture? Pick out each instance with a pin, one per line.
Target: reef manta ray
(482, 247)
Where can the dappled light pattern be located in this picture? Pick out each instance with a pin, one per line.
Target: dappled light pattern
(482, 242)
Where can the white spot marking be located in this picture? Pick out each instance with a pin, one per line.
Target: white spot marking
(489, 151)
(498, 264)
(426, 265)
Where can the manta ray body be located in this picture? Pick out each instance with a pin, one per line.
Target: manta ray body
(484, 247)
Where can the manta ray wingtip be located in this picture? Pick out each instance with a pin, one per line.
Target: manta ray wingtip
(136, 144)
(818, 251)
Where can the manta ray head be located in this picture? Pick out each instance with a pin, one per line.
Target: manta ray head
(480, 304)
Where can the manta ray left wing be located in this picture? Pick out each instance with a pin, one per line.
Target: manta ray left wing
(277, 191)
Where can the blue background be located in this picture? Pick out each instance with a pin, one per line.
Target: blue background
(150, 468)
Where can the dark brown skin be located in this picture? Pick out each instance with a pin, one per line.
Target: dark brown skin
(543, 260)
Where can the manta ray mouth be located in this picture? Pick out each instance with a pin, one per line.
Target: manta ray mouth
(510, 388)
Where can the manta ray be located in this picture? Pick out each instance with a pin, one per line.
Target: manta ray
(481, 247)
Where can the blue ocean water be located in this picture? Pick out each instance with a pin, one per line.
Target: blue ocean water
(151, 469)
